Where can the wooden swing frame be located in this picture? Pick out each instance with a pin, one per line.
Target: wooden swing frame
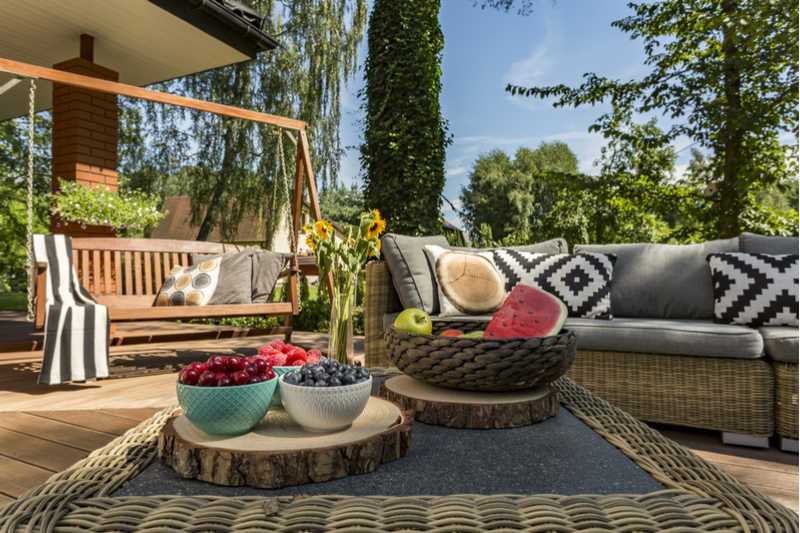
(120, 308)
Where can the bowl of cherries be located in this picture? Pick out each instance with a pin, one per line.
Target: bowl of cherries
(326, 396)
(227, 394)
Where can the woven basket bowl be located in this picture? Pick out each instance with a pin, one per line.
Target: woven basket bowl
(481, 364)
(231, 410)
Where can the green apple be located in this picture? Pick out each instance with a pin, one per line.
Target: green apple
(474, 335)
(414, 321)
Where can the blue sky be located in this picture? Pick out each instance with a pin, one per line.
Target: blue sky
(486, 49)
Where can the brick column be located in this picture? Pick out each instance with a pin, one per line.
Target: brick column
(85, 130)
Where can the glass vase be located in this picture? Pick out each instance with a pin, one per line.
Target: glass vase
(340, 343)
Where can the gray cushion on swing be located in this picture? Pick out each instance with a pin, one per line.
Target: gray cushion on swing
(245, 277)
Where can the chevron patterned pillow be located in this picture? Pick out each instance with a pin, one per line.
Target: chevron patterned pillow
(582, 281)
(755, 289)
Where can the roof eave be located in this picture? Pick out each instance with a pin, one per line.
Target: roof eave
(220, 23)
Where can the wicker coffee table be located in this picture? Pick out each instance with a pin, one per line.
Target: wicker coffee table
(677, 490)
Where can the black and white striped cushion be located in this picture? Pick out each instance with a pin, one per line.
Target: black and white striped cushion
(76, 327)
(755, 289)
(582, 281)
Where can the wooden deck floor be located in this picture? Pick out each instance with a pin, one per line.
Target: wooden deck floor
(46, 429)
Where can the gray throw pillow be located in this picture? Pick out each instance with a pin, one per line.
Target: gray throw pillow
(411, 274)
(233, 286)
(753, 243)
(662, 280)
(267, 268)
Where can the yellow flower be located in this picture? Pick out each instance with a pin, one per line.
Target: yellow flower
(308, 228)
(377, 226)
(311, 242)
(323, 228)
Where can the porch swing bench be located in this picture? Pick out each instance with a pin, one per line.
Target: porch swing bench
(126, 274)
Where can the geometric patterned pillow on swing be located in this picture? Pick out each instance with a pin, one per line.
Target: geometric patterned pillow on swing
(192, 285)
(755, 289)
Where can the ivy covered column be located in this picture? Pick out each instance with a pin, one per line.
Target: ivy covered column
(405, 135)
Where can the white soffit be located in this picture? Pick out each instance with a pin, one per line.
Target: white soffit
(139, 40)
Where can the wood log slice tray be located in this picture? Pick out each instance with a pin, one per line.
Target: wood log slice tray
(468, 409)
(280, 453)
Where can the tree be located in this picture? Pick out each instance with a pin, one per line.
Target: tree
(342, 205)
(726, 71)
(404, 135)
(506, 197)
(229, 167)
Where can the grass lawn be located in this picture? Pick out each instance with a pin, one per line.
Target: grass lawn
(13, 301)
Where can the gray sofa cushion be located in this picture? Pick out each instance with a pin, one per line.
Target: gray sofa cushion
(667, 336)
(700, 338)
(411, 273)
(780, 343)
(662, 280)
(763, 244)
(553, 246)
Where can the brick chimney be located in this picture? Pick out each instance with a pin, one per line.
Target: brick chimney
(85, 131)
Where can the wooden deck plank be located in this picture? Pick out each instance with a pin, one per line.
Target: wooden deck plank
(135, 415)
(17, 477)
(38, 452)
(91, 420)
(54, 431)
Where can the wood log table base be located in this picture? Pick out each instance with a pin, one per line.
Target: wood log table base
(279, 453)
(467, 409)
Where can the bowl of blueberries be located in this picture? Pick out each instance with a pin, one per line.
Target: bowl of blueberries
(326, 396)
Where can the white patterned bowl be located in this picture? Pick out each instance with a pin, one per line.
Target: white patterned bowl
(325, 408)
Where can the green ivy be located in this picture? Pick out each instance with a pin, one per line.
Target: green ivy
(405, 135)
(130, 212)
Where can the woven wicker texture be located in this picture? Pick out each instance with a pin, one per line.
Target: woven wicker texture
(700, 496)
(785, 399)
(705, 392)
(481, 364)
(379, 298)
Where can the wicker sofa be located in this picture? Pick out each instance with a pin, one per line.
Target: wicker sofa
(666, 369)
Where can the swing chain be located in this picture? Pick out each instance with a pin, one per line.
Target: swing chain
(29, 222)
(289, 217)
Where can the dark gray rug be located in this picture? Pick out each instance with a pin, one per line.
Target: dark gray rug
(560, 456)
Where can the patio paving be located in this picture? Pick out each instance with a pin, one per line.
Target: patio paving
(40, 425)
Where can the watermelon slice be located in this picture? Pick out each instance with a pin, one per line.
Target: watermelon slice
(527, 312)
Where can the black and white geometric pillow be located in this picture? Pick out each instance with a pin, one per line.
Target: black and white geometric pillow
(582, 281)
(755, 289)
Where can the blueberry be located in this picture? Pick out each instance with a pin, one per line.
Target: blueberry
(292, 378)
(335, 382)
(348, 379)
(321, 384)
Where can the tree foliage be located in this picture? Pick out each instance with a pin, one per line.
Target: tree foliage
(404, 135)
(726, 73)
(342, 205)
(229, 167)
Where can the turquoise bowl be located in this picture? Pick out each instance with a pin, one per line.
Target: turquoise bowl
(226, 410)
(279, 371)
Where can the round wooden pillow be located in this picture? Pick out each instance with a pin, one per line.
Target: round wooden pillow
(470, 281)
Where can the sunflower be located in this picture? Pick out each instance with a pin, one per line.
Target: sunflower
(323, 229)
(311, 242)
(377, 226)
(308, 228)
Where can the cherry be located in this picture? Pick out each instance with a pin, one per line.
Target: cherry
(241, 377)
(199, 367)
(251, 369)
(224, 381)
(189, 376)
(207, 379)
(262, 366)
(217, 363)
(270, 374)
(235, 364)
(257, 379)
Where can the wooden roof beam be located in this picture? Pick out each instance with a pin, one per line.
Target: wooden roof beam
(18, 68)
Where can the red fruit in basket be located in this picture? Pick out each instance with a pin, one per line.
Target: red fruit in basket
(257, 379)
(219, 376)
(313, 356)
(527, 312)
(251, 369)
(207, 379)
(277, 359)
(295, 354)
(266, 351)
(297, 362)
(262, 366)
(198, 367)
(225, 381)
(240, 378)
(451, 333)
(217, 363)
(189, 376)
(270, 374)
(235, 364)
